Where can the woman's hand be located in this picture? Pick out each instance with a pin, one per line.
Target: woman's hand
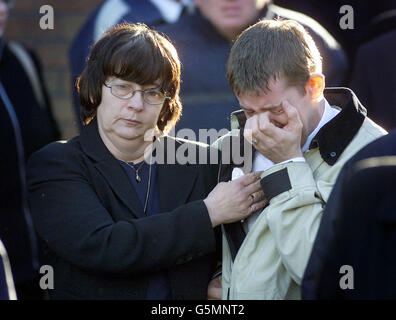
(235, 200)
(215, 289)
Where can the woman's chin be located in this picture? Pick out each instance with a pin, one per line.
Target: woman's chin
(130, 134)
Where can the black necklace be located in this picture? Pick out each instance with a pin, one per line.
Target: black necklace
(137, 177)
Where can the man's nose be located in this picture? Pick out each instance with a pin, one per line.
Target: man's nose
(277, 121)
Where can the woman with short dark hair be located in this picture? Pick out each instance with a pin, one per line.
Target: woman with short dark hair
(154, 59)
(114, 225)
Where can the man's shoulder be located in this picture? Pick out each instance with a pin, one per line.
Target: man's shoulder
(382, 146)
(368, 132)
(369, 127)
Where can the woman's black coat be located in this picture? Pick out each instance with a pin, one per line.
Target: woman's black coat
(97, 238)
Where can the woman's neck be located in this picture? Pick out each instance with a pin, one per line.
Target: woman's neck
(125, 149)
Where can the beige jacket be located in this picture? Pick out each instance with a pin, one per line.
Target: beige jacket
(271, 260)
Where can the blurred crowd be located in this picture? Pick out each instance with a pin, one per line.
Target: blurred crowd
(203, 31)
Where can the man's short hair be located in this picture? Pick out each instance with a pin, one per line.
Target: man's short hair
(136, 53)
(272, 49)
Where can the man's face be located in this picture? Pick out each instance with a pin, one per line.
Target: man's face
(4, 7)
(230, 16)
(254, 103)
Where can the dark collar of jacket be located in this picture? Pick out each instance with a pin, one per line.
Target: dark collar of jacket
(335, 135)
(170, 175)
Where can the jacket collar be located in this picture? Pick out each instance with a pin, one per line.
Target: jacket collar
(93, 146)
(175, 181)
(92, 143)
(335, 135)
(170, 193)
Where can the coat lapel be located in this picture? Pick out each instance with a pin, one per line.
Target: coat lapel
(175, 181)
(122, 187)
(110, 168)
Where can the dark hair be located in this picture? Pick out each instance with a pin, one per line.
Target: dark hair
(132, 52)
(272, 49)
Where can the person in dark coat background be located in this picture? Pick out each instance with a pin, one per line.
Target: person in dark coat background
(327, 13)
(374, 78)
(26, 125)
(203, 40)
(358, 230)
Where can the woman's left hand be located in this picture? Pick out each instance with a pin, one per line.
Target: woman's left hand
(215, 289)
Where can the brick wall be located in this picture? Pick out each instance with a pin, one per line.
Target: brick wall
(52, 48)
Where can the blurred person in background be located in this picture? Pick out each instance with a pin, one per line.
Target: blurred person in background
(26, 125)
(327, 13)
(111, 12)
(203, 40)
(374, 78)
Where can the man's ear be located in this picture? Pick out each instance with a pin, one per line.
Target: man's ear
(315, 85)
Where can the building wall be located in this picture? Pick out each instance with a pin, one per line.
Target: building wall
(52, 47)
